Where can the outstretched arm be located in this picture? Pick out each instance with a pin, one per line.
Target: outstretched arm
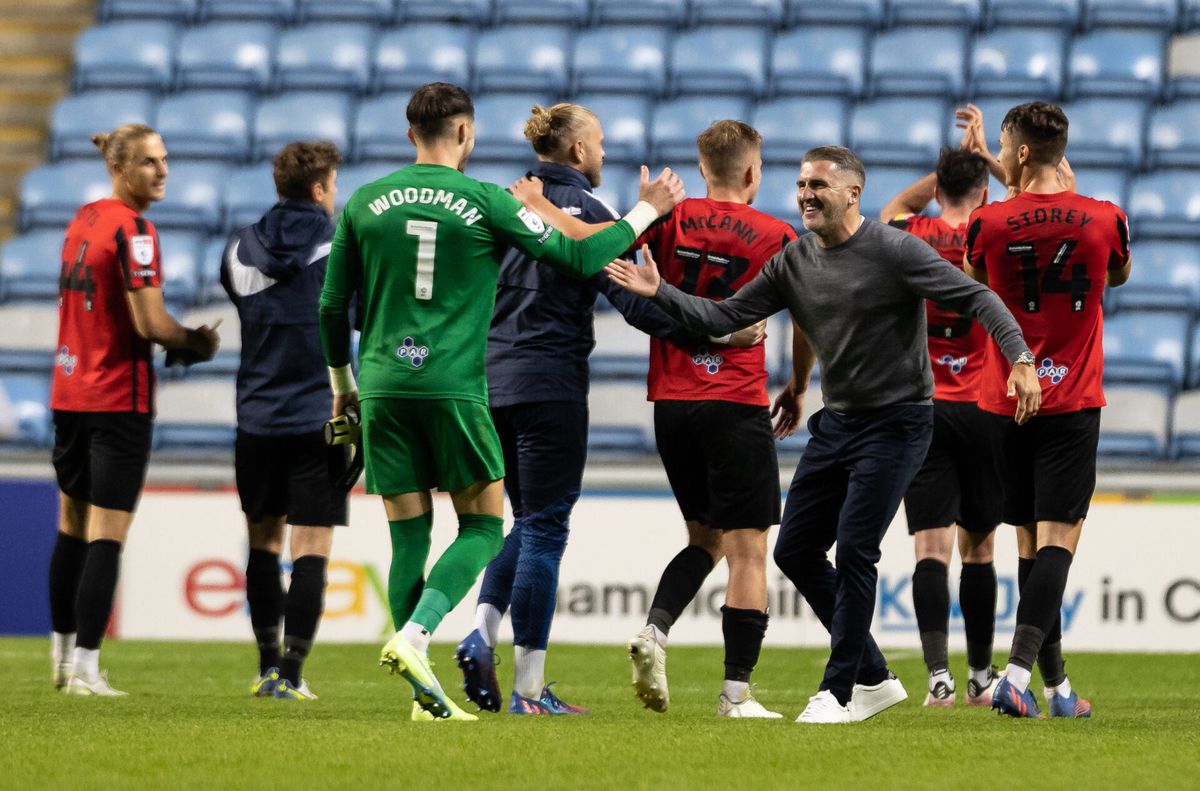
(911, 200)
(528, 190)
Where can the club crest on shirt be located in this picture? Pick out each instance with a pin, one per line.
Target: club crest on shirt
(142, 249)
(955, 364)
(710, 361)
(410, 351)
(1055, 373)
(65, 360)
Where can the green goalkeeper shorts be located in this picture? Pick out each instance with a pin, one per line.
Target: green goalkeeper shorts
(414, 445)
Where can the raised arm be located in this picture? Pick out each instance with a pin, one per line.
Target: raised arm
(970, 120)
(911, 200)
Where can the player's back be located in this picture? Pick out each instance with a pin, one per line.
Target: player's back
(1047, 256)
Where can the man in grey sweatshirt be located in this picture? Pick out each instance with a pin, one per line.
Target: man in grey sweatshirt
(856, 288)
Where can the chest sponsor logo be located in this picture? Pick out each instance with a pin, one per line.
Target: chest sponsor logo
(142, 250)
(955, 364)
(411, 351)
(65, 360)
(1055, 373)
(531, 220)
(709, 361)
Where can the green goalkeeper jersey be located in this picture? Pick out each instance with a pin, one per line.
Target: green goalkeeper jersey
(422, 246)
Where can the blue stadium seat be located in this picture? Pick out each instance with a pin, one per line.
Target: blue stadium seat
(607, 12)
(250, 191)
(1185, 444)
(752, 12)
(994, 108)
(1193, 380)
(625, 120)
(51, 194)
(1165, 204)
(377, 12)
(1162, 14)
(675, 124)
(278, 11)
(181, 255)
(564, 12)
(30, 336)
(26, 418)
(352, 177)
(621, 420)
(619, 187)
(500, 125)
(719, 59)
(777, 194)
(330, 56)
(193, 197)
(380, 128)
(172, 10)
(206, 124)
(211, 291)
(521, 57)
(792, 125)
(963, 13)
(624, 59)
(1106, 132)
(1144, 347)
(125, 55)
(1167, 278)
(1135, 424)
(501, 173)
(1024, 62)
(30, 266)
(1189, 14)
(811, 60)
(408, 57)
(622, 351)
(301, 116)
(1042, 13)
(1173, 139)
(898, 131)
(1100, 183)
(1116, 63)
(76, 118)
(472, 12)
(226, 55)
(919, 61)
(688, 171)
(884, 182)
(196, 415)
(868, 13)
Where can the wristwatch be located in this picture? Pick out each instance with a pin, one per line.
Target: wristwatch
(1025, 358)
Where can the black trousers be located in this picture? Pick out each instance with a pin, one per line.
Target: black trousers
(847, 488)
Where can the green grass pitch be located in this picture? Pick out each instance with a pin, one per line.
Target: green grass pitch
(189, 723)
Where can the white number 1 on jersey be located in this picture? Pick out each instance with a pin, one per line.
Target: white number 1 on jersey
(426, 233)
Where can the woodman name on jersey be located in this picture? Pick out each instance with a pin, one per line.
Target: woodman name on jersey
(429, 196)
(1041, 216)
(725, 223)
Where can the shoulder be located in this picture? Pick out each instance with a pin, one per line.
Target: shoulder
(595, 209)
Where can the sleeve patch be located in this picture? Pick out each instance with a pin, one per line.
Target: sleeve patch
(533, 222)
(141, 249)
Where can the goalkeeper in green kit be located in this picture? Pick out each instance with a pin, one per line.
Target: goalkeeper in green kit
(423, 247)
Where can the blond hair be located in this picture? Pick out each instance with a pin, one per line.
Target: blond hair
(553, 130)
(724, 147)
(116, 145)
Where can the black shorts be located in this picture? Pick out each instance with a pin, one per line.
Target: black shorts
(1049, 466)
(101, 457)
(292, 476)
(720, 460)
(960, 482)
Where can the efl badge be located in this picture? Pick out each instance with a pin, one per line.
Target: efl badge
(142, 248)
(531, 220)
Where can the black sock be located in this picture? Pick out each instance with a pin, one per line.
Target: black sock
(743, 631)
(931, 599)
(264, 594)
(977, 598)
(305, 603)
(66, 564)
(1050, 662)
(97, 586)
(1041, 601)
(681, 581)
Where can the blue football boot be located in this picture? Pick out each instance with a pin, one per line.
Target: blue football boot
(477, 661)
(1007, 699)
(1070, 706)
(557, 705)
(519, 704)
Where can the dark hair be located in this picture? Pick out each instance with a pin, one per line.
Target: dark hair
(433, 105)
(1041, 126)
(300, 165)
(723, 148)
(841, 156)
(960, 173)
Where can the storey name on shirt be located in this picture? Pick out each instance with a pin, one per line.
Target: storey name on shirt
(1041, 216)
(429, 197)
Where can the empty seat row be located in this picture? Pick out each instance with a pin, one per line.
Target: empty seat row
(646, 59)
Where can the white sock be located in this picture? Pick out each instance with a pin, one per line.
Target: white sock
(529, 675)
(487, 621)
(1018, 676)
(736, 691)
(417, 636)
(1064, 688)
(944, 676)
(660, 636)
(980, 677)
(61, 646)
(87, 662)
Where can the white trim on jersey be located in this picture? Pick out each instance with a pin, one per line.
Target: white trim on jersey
(249, 280)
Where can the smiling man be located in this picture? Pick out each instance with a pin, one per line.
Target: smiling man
(856, 288)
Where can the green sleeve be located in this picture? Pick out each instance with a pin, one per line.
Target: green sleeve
(525, 230)
(342, 277)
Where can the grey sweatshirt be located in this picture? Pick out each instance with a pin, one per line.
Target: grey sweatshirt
(861, 304)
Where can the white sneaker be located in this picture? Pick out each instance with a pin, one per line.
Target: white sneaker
(823, 708)
(748, 708)
(866, 702)
(649, 670)
(78, 685)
